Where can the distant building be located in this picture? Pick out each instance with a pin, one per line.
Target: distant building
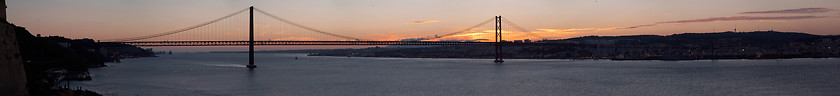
(527, 40)
(64, 44)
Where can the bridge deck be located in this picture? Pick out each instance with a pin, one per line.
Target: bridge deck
(245, 43)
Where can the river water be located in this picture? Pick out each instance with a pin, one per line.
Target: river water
(224, 74)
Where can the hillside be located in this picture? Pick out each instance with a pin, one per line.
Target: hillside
(686, 46)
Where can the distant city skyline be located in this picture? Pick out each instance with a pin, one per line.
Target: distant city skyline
(395, 20)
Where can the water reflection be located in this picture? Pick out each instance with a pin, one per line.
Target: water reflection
(282, 75)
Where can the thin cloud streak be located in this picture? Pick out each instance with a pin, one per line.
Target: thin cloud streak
(735, 18)
(801, 10)
(420, 22)
(739, 18)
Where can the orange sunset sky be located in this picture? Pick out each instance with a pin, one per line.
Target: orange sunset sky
(402, 19)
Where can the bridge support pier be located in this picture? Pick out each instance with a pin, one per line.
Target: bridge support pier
(251, 41)
(499, 40)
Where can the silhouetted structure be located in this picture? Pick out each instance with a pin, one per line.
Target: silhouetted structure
(251, 39)
(12, 76)
(498, 40)
(499, 43)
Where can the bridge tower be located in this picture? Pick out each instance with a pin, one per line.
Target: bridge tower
(499, 40)
(251, 40)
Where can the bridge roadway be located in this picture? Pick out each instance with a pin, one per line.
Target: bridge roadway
(245, 43)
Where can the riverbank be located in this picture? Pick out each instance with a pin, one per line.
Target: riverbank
(686, 46)
(476, 53)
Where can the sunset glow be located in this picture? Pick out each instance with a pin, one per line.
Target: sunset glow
(420, 47)
(418, 22)
(398, 20)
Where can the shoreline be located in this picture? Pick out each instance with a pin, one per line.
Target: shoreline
(597, 59)
(614, 59)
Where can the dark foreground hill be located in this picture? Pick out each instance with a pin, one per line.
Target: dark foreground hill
(50, 60)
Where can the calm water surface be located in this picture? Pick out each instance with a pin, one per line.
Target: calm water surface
(223, 74)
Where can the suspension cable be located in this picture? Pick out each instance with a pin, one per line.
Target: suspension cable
(462, 31)
(304, 27)
(520, 28)
(175, 31)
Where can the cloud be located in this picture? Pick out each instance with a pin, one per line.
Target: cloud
(567, 30)
(414, 39)
(486, 35)
(634, 27)
(738, 18)
(801, 10)
(512, 35)
(475, 35)
(603, 29)
(419, 22)
(574, 30)
(735, 18)
(474, 40)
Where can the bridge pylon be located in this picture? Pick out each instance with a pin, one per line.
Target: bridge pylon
(499, 41)
(251, 40)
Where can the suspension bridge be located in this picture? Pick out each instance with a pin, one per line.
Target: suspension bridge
(225, 33)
